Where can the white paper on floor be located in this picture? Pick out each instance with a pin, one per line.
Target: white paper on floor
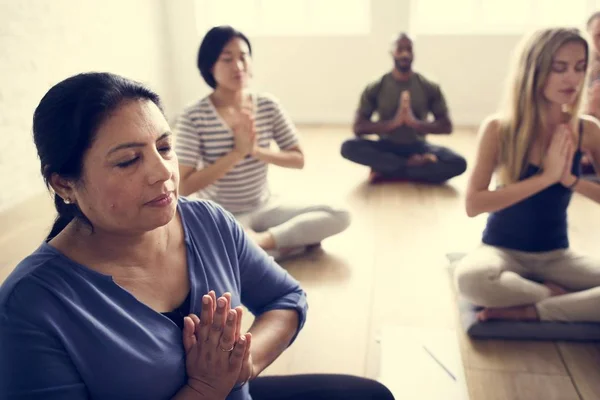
(422, 363)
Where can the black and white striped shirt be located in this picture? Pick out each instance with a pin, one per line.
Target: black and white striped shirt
(202, 137)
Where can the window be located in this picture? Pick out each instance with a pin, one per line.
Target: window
(286, 17)
(496, 16)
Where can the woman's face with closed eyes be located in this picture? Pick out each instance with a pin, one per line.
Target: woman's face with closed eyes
(130, 173)
(567, 74)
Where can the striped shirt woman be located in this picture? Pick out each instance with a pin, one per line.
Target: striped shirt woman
(224, 140)
(203, 137)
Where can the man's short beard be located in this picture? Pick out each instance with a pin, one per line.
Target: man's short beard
(402, 67)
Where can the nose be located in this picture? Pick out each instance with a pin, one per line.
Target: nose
(159, 169)
(573, 77)
(240, 66)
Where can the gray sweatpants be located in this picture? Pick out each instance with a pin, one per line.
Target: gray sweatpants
(295, 225)
(497, 277)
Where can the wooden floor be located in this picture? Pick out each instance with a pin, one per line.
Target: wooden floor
(388, 270)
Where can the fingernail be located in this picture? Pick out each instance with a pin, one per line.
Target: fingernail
(231, 315)
(221, 303)
(205, 299)
(242, 339)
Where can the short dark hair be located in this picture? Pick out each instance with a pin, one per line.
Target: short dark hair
(402, 35)
(211, 48)
(65, 124)
(592, 18)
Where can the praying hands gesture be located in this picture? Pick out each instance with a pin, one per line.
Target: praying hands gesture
(559, 157)
(244, 133)
(404, 114)
(567, 178)
(217, 356)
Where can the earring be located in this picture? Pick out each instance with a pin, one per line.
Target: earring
(67, 200)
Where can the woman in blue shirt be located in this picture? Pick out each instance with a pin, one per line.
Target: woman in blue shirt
(524, 269)
(121, 300)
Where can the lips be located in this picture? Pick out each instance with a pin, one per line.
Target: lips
(568, 91)
(162, 198)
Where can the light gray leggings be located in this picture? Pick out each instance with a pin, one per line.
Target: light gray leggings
(296, 225)
(496, 277)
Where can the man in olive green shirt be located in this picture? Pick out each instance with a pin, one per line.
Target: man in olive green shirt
(403, 99)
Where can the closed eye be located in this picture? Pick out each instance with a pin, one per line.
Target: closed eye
(127, 163)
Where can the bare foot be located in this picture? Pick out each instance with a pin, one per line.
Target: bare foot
(263, 239)
(523, 313)
(555, 290)
(416, 160)
(251, 233)
(374, 176)
(429, 157)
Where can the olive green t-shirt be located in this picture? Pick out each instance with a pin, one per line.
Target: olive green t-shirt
(382, 97)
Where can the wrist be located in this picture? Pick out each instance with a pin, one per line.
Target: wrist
(237, 154)
(200, 392)
(415, 124)
(547, 179)
(572, 181)
(391, 125)
(250, 377)
(258, 152)
(253, 372)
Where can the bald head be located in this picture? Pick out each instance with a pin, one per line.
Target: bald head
(402, 36)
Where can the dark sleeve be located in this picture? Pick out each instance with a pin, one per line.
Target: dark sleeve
(368, 101)
(437, 101)
(33, 363)
(265, 285)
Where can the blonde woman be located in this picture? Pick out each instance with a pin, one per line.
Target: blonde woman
(524, 269)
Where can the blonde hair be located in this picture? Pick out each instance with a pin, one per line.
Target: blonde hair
(523, 116)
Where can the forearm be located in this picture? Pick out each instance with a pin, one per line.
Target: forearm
(368, 128)
(589, 189)
(286, 159)
(486, 201)
(199, 179)
(272, 333)
(434, 127)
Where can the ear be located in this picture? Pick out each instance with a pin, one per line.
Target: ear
(63, 187)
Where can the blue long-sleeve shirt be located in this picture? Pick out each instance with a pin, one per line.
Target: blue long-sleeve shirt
(68, 332)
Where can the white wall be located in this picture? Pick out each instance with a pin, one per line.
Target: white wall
(45, 41)
(319, 79)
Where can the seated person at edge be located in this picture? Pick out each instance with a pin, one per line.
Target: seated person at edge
(223, 144)
(593, 92)
(403, 100)
(136, 292)
(524, 268)
(592, 102)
